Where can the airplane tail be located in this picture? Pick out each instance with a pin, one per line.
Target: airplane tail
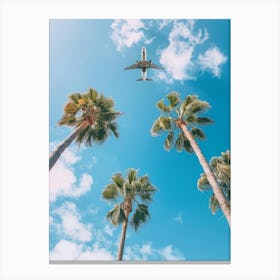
(141, 79)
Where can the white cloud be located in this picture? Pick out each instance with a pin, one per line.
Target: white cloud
(126, 33)
(71, 225)
(180, 58)
(65, 250)
(70, 157)
(149, 41)
(63, 181)
(176, 58)
(137, 252)
(147, 251)
(170, 254)
(109, 230)
(179, 218)
(69, 251)
(164, 23)
(212, 60)
(96, 253)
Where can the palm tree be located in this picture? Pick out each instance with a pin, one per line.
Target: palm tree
(131, 193)
(93, 117)
(180, 120)
(221, 169)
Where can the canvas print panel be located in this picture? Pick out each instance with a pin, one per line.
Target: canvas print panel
(139, 140)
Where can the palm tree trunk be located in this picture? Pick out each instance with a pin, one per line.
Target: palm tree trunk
(208, 172)
(61, 147)
(122, 241)
(127, 210)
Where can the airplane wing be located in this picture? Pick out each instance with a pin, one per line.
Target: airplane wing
(155, 66)
(133, 66)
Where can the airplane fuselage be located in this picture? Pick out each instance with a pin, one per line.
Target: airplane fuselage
(144, 54)
(143, 64)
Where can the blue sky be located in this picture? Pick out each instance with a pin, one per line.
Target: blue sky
(92, 53)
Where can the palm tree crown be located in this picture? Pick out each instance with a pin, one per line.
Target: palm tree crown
(186, 111)
(130, 193)
(93, 117)
(138, 191)
(96, 111)
(221, 169)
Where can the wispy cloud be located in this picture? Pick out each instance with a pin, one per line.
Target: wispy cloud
(71, 224)
(147, 251)
(63, 181)
(68, 250)
(171, 254)
(137, 252)
(126, 33)
(109, 230)
(179, 218)
(149, 41)
(163, 23)
(212, 60)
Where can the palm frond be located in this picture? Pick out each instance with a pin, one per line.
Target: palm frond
(118, 180)
(174, 99)
(129, 190)
(213, 204)
(92, 93)
(169, 140)
(156, 128)
(69, 120)
(198, 106)
(145, 191)
(131, 175)
(188, 100)
(226, 157)
(110, 192)
(187, 146)
(203, 121)
(197, 133)
(71, 108)
(114, 129)
(162, 107)
(189, 118)
(82, 136)
(99, 133)
(75, 97)
(179, 144)
(202, 183)
(140, 216)
(116, 215)
(165, 123)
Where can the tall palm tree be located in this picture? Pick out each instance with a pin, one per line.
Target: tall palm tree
(130, 193)
(93, 117)
(221, 169)
(180, 120)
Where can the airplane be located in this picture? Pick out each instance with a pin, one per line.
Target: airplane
(143, 65)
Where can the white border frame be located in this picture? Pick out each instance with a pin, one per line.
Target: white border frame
(254, 129)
